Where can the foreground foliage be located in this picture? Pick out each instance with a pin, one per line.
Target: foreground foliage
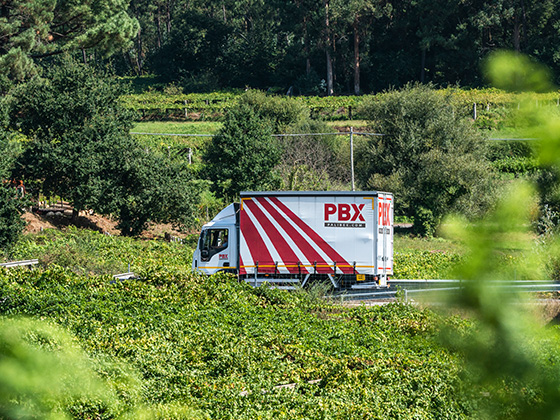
(222, 347)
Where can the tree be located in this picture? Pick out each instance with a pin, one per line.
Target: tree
(243, 154)
(431, 158)
(11, 223)
(195, 47)
(80, 148)
(358, 15)
(280, 112)
(154, 189)
(37, 29)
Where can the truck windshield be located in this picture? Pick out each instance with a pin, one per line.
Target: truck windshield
(213, 241)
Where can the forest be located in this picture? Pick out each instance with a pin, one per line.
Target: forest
(310, 47)
(334, 47)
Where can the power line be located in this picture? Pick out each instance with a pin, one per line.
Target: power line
(338, 133)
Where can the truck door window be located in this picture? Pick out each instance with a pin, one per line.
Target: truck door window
(213, 241)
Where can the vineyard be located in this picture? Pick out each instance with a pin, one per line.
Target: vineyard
(174, 341)
(155, 105)
(172, 344)
(178, 345)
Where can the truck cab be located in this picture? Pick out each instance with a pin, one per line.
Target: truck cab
(217, 245)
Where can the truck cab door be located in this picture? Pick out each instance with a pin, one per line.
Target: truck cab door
(215, 250)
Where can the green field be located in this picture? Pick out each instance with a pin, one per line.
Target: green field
(174, 342)
(175, 345)
(211, 127)
(186, 127)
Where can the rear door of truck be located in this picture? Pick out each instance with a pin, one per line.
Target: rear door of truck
(384, 233)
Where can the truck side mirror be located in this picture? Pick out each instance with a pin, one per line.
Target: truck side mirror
(204, 254)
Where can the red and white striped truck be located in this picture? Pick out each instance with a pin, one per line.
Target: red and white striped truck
(291, 238)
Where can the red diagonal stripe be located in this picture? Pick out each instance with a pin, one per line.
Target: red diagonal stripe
(325, 247)
(288, 256)
(255, 243)
(306, 248)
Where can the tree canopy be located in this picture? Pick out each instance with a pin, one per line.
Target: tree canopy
(324, 46)
(243, 154)
(80, 148)
(35, 29)
(431, 158)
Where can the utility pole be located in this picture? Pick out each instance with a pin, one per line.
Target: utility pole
(352, 156)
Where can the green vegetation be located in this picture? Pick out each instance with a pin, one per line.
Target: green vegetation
(316, 47)
(243, 154)
(91, 253)
(190, 127)
(11, 210)
(11, 203)
(174, 339)
(172, 344)
(75, 343)
(79, 148)
(43, 30)
(492, 105)
(429, 156)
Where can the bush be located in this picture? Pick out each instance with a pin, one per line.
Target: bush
(281, 112)
(11, 208)
(11, 223)
(432, 159)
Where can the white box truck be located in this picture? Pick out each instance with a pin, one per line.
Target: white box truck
(289, 238)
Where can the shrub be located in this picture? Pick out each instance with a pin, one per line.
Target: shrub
(431, 158)
(80, 149)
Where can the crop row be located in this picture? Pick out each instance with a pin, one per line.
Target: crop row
(220, 348)
(160, 105)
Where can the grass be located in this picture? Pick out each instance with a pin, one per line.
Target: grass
(407, 243)
(212, 127)
(91, 253)
(173, 127)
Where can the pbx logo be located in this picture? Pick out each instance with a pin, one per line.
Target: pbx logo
(344, 215)
(384, 217)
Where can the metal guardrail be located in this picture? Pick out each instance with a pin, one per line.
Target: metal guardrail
(19, 263)
(125, 276)
(507, 285)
